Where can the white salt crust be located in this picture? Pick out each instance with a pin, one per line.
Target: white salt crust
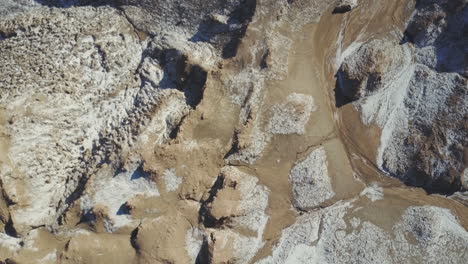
(439, 239)
(310, 180)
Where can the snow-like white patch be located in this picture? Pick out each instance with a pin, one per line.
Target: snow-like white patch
(243, 248)
(220, 18)
(387, 110)
(64, 122)
(160, 125)
(193, 243)
(292, 115)
(373, 192)
(246, 89)
(302, 254)
(29, 241)
(439, 234)
(417, 84)
(171, 180)
(465, 178)
(190, 145)
(355, 222)
(310, 180)
(10, 243)
(437, 238)
(49, 258)
(342, 54)
(113, 192)
(294, 244)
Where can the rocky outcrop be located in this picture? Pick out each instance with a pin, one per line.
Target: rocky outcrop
(310, 181)
(415, 93)
(235, 218)
(370, 69)
(52, 132)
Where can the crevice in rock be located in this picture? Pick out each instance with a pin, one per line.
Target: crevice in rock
(138, 31)
(204, 215)
(10, 228)
(236, 142)
(175, 132)
(235, 148)
(133, 239)
(124, 209)
(179, 73)
(102, 57)
(263, 61)
(4, 195)
(244, 13)
(6, 35)
(9, 261)
(86, 217)
(341, 9)
(194, 84)
(345, 94)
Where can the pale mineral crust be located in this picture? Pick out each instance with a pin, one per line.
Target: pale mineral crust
(240, 131)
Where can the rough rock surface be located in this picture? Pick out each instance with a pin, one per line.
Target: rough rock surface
(310, 181)
(428, 227)
(239, 131)
(416, 92)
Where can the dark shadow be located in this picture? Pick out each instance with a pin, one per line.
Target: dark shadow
(418, 178)
(5, 35)
(181, 75)
(123, 210)
(71, 3)
(133, 239)
(341, 9)
(227, 35)
(234, 147)
(346, 89)
(263, 61)
(204, 255)
(340, 98)
(87, 217)
(10, 228)
(452, 44)
(194, 85)
(139, 173)
(204, 215)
